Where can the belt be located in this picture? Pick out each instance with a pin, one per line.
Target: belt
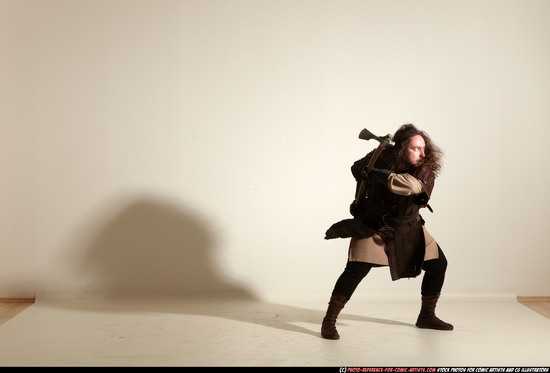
(400, 219)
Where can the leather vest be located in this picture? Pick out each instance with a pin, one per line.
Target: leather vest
(396, 219)
(381, 207)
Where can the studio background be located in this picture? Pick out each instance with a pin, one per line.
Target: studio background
(169, 146)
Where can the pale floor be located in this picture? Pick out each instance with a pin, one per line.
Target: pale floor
(155, 331)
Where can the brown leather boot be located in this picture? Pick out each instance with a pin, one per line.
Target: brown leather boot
(328, 328)
(427, 318)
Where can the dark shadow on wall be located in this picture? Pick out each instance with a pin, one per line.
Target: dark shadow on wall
(155, 246)
(155, 255)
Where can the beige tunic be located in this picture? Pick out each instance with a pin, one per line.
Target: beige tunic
(372, 249)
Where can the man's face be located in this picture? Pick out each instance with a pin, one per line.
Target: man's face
(415, 150)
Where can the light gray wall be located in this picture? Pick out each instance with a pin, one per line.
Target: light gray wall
(203, 145)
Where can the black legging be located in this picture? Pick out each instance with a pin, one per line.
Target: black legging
(432, 282)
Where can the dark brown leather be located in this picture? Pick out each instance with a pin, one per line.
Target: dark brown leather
(348, 228)
(427, 318)
(335, 305)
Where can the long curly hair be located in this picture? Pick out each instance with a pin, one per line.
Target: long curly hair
(396, 156)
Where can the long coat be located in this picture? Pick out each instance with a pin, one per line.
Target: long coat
(374, 250)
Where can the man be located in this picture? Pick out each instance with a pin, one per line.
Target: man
(398, 186)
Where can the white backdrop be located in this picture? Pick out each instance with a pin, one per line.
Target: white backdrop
(206, 145)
